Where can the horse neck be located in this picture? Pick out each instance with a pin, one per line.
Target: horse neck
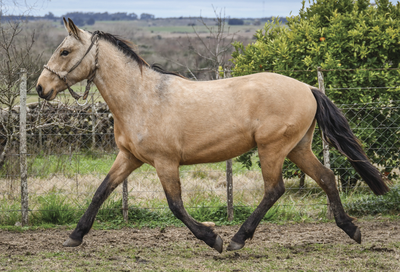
(120, 80)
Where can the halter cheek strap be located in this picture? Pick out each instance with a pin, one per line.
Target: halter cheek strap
(94, 41)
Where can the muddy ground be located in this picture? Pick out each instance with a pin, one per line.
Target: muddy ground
(298, 247)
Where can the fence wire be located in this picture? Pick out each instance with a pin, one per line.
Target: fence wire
(72, 148)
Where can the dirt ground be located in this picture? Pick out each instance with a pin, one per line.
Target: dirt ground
(298, 247)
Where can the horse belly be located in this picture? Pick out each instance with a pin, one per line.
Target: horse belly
(210, 148)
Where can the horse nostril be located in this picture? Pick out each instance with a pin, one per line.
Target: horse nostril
(39, 90)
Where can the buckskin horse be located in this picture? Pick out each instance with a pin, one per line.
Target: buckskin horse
(165, 120)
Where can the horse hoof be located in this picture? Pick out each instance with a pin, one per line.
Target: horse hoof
(71, 243)
(357, 236)
(219, 244)
(234, 246)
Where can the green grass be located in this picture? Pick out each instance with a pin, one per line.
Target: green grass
(70, 164)
(55, 210)
(56, 207)
(88, 162)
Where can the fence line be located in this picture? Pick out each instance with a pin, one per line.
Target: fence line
(93, 118)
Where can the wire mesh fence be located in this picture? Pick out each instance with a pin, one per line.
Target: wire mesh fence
(70, 149)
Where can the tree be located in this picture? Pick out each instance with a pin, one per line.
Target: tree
(350, 39)
(215, 48)
(90, 21)
(235, 22)
(15, 54)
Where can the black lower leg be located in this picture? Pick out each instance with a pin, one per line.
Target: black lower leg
(199, 230)
(86, 222)
(343, 221)
(248, 228)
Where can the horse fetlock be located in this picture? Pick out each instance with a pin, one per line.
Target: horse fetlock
(71, 243)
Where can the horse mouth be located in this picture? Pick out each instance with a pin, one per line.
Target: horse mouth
(48, 96)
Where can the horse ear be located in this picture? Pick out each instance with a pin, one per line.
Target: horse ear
(71, 27)
(66, 25)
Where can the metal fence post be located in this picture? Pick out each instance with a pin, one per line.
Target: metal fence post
(22, 149)
(125, 200)
(325, 145)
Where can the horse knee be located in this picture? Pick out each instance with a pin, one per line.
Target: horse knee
(275, 192)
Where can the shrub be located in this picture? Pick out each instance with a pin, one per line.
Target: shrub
(338, 36)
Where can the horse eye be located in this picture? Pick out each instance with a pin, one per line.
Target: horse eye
(64, 53)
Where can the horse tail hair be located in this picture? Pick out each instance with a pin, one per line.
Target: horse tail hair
(336, 131)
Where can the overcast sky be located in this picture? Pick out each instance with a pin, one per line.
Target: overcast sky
(167, 8)
(177, 8)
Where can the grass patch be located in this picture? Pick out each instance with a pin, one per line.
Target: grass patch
(54, 209)
(369, 204)
(9, 212)
(89, 162)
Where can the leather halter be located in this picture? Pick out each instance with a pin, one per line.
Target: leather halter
(94, 41)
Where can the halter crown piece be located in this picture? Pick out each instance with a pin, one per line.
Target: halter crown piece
(94, 41)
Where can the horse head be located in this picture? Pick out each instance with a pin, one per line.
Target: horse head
(72, 62)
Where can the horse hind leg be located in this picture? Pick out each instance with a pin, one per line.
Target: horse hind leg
(271, 159)
(304, 158)
(169, 176)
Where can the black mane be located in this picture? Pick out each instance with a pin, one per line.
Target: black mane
(127, 48)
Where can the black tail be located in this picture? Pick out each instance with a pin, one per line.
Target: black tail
(337, 132)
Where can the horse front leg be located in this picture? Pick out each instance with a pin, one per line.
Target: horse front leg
(123, 165)
(169, 176)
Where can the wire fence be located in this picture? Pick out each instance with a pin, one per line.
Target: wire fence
(71, 148)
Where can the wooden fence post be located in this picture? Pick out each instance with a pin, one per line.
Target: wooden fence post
(23, 149)
(325, 145)
(125, 200)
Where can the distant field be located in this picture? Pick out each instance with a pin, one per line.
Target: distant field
(200, 29)
(169, 27)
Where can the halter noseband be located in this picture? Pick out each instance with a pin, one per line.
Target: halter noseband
(95, 41)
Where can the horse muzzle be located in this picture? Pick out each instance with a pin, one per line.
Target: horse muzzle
(39, 90)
